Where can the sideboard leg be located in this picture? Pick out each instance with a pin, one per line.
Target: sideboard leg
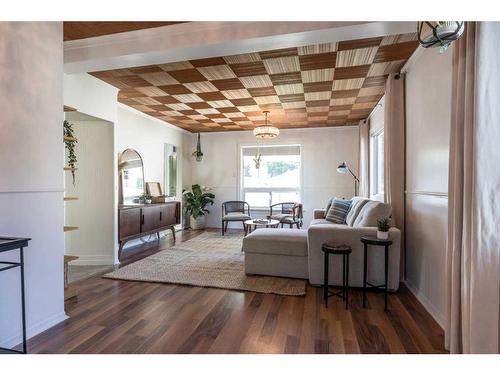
(173, 232)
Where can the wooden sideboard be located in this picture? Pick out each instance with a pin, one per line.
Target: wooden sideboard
(135, 221)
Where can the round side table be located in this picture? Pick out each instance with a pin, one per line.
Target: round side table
(374, 241)
(336, 249)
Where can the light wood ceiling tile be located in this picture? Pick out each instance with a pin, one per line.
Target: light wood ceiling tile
(243, 58)
(354, 57)
(348, 84)
(317, 75)
(203, 86)
(295, 88)
(256, 81)
(317, 48)
(280, 65)
(236, 94)
(213, 73)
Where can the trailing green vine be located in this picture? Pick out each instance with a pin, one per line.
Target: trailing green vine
(70, 142)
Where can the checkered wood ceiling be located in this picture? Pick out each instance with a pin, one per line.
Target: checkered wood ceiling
(331, 84)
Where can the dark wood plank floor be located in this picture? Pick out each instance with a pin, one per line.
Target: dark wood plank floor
(113, 316)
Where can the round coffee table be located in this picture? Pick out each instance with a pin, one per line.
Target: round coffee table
(251, 225)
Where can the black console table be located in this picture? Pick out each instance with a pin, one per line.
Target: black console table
(8, 244)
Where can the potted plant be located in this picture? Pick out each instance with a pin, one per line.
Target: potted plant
(145, 198)
(383, 229)
(196, 201)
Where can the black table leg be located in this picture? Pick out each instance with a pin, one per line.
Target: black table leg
(347, 285)
(365, 261)
(386, 273)
(23, 305)
(325, 281)
(343, 277)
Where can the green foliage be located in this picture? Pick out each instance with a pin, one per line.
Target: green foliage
(247, 171)
(383, 224)
(275, 168)
(196, 201)
(70, 146)
(144, 197)
(257, 159)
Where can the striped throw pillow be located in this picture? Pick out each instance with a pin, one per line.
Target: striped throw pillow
(338, 211)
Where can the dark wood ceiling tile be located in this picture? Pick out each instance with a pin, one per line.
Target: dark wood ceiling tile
(134, 81)
(375, 81)
(358, 43)
(292, 98)
(368, 99)
(346, 107)
(256, 68)
(344, 94)
(187, 75)
(262, 91)
(199, 105)
(228, 84)
(146, 69)
(279, 53)
(318, 86)
(228, 109)
(318, 103)
(318, 61)
(392, 52)
(243, 102)
(286, 78)
(166, 99)
(212, 96)
(349, 72)
(175, 89)
(211, 61)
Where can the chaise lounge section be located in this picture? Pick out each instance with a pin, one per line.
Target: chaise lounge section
(297, 253)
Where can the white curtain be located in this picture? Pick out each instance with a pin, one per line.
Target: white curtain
(472, 256)
(364, 158)
(394, 153)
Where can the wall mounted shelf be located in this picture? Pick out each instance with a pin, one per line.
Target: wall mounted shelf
(68, 228)
(71, 198)
(70, 138)
(70, 169)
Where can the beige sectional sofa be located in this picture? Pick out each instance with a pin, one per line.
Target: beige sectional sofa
(280, 252)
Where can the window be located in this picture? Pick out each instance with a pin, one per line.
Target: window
(377, 163)
(278, 178)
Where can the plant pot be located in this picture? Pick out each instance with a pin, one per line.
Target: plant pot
(198, 223)
(382, 235)
(148, 201)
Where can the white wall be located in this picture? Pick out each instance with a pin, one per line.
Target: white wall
(132, 129)
(31, 161)
(428, 111)
(93, 213)
(323, 149)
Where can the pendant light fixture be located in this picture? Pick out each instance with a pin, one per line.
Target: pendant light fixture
(266, 131)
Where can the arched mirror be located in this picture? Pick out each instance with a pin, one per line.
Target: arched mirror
(131, 172)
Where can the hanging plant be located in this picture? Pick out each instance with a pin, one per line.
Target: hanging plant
(197, 153)
(70, 142)
(257, 159)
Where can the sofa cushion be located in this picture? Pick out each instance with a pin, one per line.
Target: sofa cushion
(371, 212)
(328, 205)
(292, 242)
(338, 211)
(356, 206)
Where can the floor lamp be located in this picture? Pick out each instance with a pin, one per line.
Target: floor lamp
(343, 168)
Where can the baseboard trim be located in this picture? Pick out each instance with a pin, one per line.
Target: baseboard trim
(428, 305)
(93, 260)
(34, 330)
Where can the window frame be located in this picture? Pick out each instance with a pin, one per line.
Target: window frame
(242, 190)
(375, 192)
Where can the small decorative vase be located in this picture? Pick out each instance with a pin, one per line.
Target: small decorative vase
(148, 201)
(198, 223)
(382, 235)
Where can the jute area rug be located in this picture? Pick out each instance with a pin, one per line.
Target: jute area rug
(208, 260)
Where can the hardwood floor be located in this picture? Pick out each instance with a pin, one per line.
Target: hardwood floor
(113, 316)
